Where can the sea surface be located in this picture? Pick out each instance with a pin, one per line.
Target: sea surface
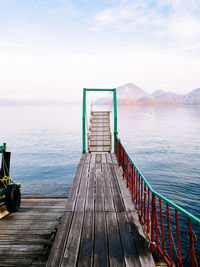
(46, 145)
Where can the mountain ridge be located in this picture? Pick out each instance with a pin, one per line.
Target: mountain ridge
(130, 94)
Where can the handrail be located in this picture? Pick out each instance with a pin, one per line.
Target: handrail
(186, 213)
(84, 114)
(151, 213)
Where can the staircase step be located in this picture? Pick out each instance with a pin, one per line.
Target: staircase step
(100, 134)
(100, 149)
(100, 113)
(100, 143)
(99, 137)
(100, 124)
(94, 120)
(100, 129)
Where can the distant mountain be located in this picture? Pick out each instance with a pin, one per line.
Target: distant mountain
(192, 98)
(130, 91)
(130, 94)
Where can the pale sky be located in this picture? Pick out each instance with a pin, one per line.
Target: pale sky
(54, 48)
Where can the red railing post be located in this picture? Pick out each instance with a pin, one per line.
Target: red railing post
(162, 230)
(127, 171)
(136, 182)
(142, 197)
(145, 193)
(132, 179)
(192, 250)
(169, 234)
(152, 220)
(121, 156)
(148, 211)
(139, 188)
(178, 240)
(156, 224)
(123, 167)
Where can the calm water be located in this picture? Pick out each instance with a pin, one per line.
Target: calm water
(45, 142)
(164, 142)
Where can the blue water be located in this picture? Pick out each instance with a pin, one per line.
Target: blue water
(164, 142)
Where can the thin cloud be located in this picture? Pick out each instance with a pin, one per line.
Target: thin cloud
(176, 21)
(11, 45)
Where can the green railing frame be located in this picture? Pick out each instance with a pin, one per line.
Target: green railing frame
(2, 148)
(171, 204)
(84, 115)
(2, 190)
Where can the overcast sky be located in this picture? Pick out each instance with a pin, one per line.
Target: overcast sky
(56, 47)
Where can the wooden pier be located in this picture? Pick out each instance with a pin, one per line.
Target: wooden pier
(100, 226)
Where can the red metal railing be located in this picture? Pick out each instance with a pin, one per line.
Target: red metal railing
(165, 222)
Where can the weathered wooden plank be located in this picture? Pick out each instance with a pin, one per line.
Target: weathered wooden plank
(89, 206)
(86, 246)
(98, 159)
(22, 250)
(37, 207)
(44, 201)
(60, 241)
(98, 168)
(100, 241)
(35, 211)
(108, 197)
(93, 156)
(42, 217)
(108, 158)
(73, 241)
(99, 203)
(142, 243)
(103, 157)
(16, 262)
(29, 224)
(25, 240)
(82, 193)
(118, 200)
(88, 157)
(130, 253)
(26, 231)
(116, 257)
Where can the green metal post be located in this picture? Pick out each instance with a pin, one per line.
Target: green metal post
(83, 120)
(115, 117)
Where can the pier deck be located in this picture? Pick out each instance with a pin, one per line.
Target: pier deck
(26, 236)
(100, 226)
